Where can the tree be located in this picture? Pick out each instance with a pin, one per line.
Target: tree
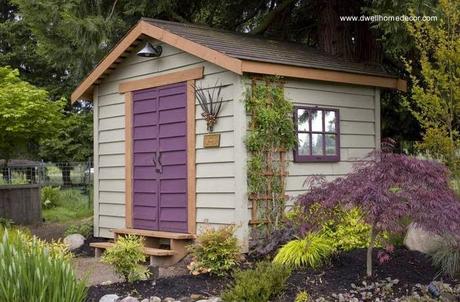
(26, 114)
(73, 142)
(390, 189)
(435, 97)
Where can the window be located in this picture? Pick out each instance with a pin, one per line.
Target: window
(318, 136)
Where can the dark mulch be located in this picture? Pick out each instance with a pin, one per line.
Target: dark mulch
(408, 267)
(175, 287)
(85, 250)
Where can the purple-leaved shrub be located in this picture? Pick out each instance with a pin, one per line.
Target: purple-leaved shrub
(389, 188)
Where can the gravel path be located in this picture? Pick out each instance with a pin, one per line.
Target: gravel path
(96, 272)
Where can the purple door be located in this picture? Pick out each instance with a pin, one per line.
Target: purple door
(160, 158)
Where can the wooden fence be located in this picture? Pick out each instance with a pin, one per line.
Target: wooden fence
(21, 203)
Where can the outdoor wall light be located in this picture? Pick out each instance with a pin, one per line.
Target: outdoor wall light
(150, 51)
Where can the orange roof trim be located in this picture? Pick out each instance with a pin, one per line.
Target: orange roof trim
(144, 28)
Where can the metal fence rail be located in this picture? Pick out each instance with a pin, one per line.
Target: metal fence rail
(20, 172)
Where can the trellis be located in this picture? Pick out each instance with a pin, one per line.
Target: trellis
(268, 200)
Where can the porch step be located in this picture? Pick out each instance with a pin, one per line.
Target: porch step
(147, 250)
(154, 234)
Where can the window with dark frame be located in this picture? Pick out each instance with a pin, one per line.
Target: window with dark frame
(318, 134)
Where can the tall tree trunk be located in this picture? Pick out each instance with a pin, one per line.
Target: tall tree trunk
(370, 248)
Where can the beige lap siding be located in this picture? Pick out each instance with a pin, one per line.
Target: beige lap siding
(359, 108)
(215, 179)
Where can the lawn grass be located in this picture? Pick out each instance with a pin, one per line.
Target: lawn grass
(72, 205)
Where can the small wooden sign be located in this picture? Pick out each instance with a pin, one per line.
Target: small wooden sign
(211, 140)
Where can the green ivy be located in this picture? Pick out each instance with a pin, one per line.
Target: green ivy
(271, 131)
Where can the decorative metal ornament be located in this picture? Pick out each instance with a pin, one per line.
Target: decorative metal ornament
(210, 102)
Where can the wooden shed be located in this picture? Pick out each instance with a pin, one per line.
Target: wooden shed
(153, 171)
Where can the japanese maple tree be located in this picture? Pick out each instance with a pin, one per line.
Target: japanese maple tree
(389, 188)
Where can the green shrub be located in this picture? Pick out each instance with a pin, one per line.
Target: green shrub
(347, 230)
(302, 297)
(446, 257)
(32, 270)
(259, 284)
(5, 222)
(215, 251)
(125, 256)
(50, 197)
(85, 229)
(313, 251)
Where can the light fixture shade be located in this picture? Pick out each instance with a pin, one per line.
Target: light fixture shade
(150, 51)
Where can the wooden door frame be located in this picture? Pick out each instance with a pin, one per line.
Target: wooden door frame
(128, 87)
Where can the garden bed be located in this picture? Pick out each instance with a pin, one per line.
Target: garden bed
(410, 268)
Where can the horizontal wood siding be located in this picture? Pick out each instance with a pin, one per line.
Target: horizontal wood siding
(215, 179)
(359, 127)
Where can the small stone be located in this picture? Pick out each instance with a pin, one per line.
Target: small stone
(109, 298)
(145, 300)
(214, 299)
(155, 299)
(186, 299)
(108, 282)
(129, 299)
(169, 299)
(196, 297)
(74, 241)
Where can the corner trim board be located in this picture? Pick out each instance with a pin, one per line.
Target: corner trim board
(161, 80)
(129, 159)
(191, 158)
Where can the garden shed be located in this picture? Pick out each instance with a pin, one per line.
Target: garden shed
(159, 170)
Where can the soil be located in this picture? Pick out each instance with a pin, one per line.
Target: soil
(48, 231)
(85, 250)
(409, 267)
(175, 287)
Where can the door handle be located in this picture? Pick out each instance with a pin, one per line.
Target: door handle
(154, 160)
(159, 167)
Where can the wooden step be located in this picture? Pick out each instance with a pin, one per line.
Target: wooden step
(149, 251)
(154, 234)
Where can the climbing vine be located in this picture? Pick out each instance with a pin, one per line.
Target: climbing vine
(270, 135)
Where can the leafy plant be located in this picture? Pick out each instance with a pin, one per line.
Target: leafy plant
(85, 229)
(33, 269)
(5, 222)
(302, 296)
(390, 190)
(125, 256)
(215, 251)
(259, 284)
(446, 256)
(50, 197)
(271, 132)
(347, 230)
(313, 251)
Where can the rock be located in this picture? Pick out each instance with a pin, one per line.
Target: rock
(155, 299)
(108, 282)
(74, 241)
(186, 299)
(169, 299)
(109, 298)
(145, 300)
(420, 240)
(196, 297)
(214, 299)
(129, 299)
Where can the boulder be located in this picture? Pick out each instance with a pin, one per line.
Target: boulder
(74, 241)
(420, 240)
(109, 298)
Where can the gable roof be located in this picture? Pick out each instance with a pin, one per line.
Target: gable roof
(241, 53)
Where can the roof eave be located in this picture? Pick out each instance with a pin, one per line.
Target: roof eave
(345, 77)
